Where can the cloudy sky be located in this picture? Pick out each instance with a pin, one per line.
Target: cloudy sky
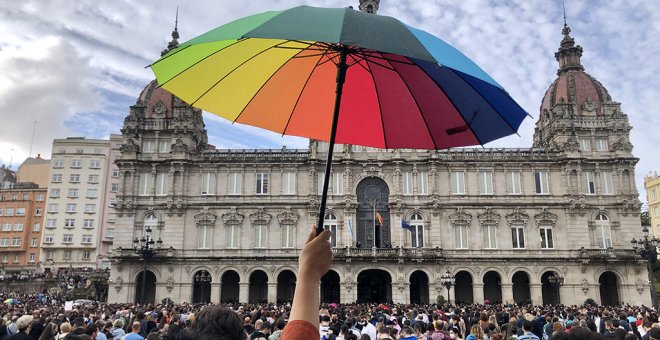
(74, 67)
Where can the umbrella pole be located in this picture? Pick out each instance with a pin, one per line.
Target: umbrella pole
(341, 76)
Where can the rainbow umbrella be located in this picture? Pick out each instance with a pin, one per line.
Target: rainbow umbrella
(342, 76)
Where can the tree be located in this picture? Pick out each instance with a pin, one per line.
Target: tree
(645, 219)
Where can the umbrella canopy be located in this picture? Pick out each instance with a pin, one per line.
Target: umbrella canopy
(11, 301)
(342, 76)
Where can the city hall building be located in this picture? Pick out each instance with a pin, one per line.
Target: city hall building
(546, 224)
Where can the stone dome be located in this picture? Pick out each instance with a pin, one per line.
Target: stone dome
(158, 102)
(573, 85)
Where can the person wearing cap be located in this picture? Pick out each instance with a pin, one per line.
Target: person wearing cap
(23, 325)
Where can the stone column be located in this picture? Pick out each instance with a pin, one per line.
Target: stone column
(272, 292)
(215, 292)
(243, 292)
(401, 293)
(536, 292)
(478, 292)
(507, 292)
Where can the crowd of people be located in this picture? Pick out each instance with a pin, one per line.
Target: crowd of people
(35, 319)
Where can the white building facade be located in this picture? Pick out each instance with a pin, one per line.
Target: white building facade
(504, 222)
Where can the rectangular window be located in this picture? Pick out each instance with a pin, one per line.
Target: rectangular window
(143, 190)
(69, 223)
(604, 237)
(458, 182)
(36, 227)
(115, 173)
(518, 236)
(585, 144)
(33, 257)
(71, 207)
(204, 236)
(1, 211)
(606, 183)
(90, 208)
(547, 241)
(337, 183)
(18, 226)
(93, 178)
(4, 242)
(407, 183)
(164, 146)
(513, 183)
(208, 183)
(320, 177)
(9, 212)
(34, 242)
(111, 218)
(17, 258)
(114, 187)
(6, 226)
(16, 242)
(288, 183)
(67, 238)
(261, 235)
(148, 146)
(86, 255)
(40, 197)
(262, 183)
(232, 236)
(57, 178)
(88, 223)
(110, 233)
(485, 182)
(423, 183)
(235, 183)
(86, 238)
(589, 183)
(67, 255)
(333, 234)
(541, 182)
(417, 236)
(38, 211)
(76, 164)
(601, 145)
(73, 193)
(53, 208)
(287, 236)
(461, 236)
(54, 193)
(161, 184)
(26, 197)
(20, 211)
(94, 164)
(51, 223)
(74, 178)
(92, 193)
(50, 254)
(58, 163)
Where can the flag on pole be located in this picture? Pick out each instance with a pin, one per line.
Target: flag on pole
(405, 225)
(350, 228)
(379, 218)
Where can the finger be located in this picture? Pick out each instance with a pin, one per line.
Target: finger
(311, 235)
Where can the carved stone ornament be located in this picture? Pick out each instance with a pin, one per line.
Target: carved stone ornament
(205, 218)
(118, 283)
(216, 270)
(517, 217)
(187, 269)
(179, 146)
(260, 217)
(170, 266)
(170, 284)
(489, 217)
(584, 263)
(638, 266)
(460, 217)
(622, 145)
(232, 217)
(571, 144)
(588, 106)
(129, 147)
(545, 218)
(159, 109)
(288, 216)
(640, 286)
(535, 270)
(585, 286)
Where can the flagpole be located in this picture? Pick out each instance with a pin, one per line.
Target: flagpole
(374, 206)
(401, 234)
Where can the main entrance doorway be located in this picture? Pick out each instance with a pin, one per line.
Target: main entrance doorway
(374, 285)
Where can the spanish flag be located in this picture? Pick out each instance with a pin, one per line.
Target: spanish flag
(379, 218)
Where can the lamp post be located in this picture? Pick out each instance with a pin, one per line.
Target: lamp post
(556, 281)
(647, 249)
(448, 281)
(201, 281)
(146, 248)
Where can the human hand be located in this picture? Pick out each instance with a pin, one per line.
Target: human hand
(316, 256)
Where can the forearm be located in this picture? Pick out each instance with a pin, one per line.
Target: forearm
(306, 300)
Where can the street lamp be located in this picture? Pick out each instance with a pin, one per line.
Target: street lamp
(448, 281)
(556, 281)
(146, 248)
(202, 281)
(647, 248)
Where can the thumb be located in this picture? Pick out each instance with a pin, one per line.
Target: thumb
(312, 234)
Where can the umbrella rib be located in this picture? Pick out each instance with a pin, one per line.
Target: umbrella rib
(435, 145)
(377, 55)
(260, 88)
(380, 108)
(197, 62)
(300, 94)
(232, 71)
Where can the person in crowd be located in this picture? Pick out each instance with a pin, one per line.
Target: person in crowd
(23, 325)
(262, 332)
(50, 332)
(65, 329)
(527, 332)
(135, 330)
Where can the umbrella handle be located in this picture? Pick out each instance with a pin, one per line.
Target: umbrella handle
(341, 76)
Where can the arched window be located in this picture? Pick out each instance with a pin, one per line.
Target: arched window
(150, 222)
(330, 223)
(417, 232)
(603, 232)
